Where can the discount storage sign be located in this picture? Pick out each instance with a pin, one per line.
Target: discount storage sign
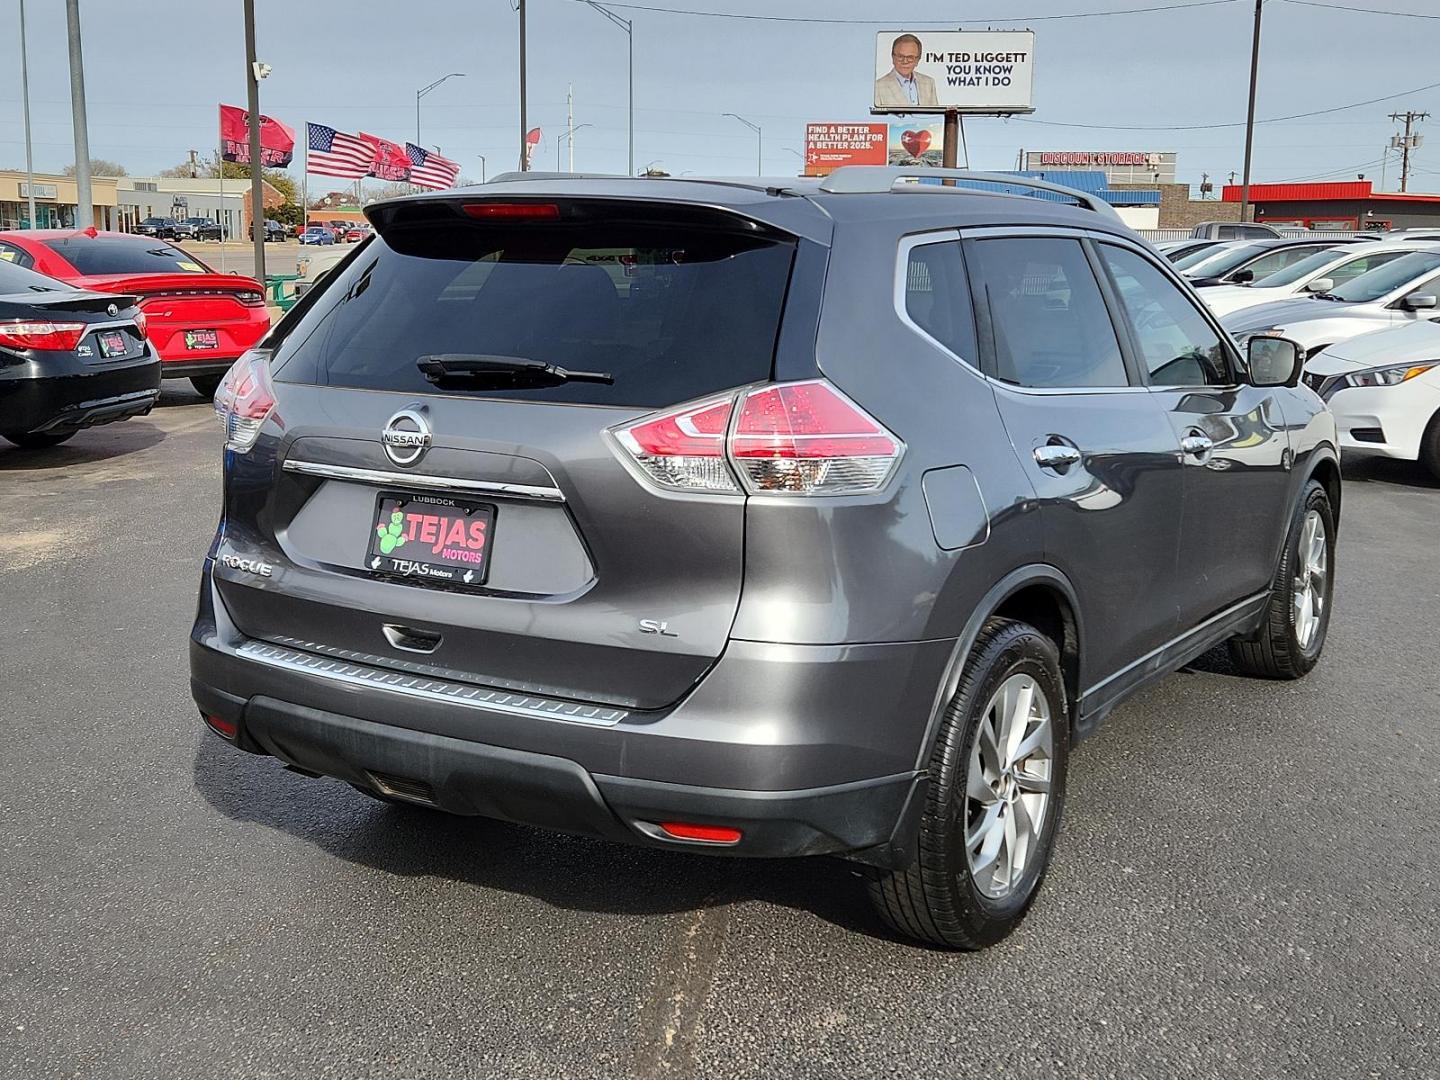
(968, 71)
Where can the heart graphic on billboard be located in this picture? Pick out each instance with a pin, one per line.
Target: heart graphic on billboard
(915, 142)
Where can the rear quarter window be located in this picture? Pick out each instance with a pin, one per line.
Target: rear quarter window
(672, 312)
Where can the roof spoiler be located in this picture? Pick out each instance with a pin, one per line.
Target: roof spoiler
(855, 179)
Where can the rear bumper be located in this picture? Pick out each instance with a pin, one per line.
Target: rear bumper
(59, 403)
(806, 749)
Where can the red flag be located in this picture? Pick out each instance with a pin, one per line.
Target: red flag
(277, 140)
(390, 162)
(532, 140)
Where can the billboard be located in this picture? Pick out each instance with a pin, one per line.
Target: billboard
(829, 146)
(967, 71)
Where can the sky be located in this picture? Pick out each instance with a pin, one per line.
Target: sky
(156, 69)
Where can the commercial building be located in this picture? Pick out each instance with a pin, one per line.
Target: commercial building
(1119, 166)
(55, 201)
(227, 201)
(1352, 204)
(1138, 207)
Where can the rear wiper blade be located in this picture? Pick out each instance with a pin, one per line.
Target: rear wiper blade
(486, 367)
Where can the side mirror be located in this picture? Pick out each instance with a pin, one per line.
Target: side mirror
(1274, 361)
(1418, 303)
(1320, 285)
(1240, 277)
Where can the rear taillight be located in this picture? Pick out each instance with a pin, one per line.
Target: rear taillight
(802, 438)
(51, 336)
(810, 439)
(251, 298)
(244, 399)
(140, 324)
(684, 450)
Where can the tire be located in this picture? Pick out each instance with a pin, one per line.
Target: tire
(206, 385)
(939, 899)
(1282, 648)
(38, 440)
(1430, 447)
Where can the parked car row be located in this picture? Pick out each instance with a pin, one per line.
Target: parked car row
(1364, 315)
(334, 232)
(91, 321)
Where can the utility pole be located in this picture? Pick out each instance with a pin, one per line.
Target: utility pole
(524, 127)
(257, 182)
(569, 127)
(1407, 142)
(25, 93)
(759, 143)
(629, 27)
(1250, 114)
(84, 200)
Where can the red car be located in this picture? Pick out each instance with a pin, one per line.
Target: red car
(199, 320)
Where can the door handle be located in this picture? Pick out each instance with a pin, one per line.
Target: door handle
(1057, 456)
(1196, 445)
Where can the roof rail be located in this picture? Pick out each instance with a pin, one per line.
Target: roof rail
(853, 179)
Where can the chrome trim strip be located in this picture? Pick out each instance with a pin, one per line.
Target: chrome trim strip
(381, 478)
(436, 690)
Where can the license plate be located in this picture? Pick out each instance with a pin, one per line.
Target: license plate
(431, 537)
(113, 343)
(202, 339)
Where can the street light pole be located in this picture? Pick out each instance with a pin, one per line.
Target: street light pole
(1250, 115)
(524, 127)
(759, 143)
(629, 28)
(25, 93)
(84, 200)
(257, 182)
(570, 135)
(425, 90)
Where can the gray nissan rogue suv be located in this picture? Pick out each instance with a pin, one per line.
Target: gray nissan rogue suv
(760, 518)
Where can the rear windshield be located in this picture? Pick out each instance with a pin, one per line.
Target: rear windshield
(125, 255)
(671, 311)
(1214, 264)
(17, 279)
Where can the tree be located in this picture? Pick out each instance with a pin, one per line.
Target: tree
(100, 167)
(389, 191)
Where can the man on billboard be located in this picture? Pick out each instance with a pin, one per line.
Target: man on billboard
(902, 85)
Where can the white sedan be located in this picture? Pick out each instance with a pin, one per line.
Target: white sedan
(1319, 273)
(1384, 389)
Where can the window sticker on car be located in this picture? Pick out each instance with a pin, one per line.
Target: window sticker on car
(194, 268)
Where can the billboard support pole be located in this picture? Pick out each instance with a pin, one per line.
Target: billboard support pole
(951, 143)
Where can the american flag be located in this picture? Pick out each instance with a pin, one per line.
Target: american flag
(333, 153)
(429, 170)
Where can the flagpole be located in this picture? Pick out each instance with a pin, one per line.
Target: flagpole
(224, 212)
(305, 180)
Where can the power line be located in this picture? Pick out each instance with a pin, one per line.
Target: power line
(1212, 127)
(1362, 11)
(1007, 18)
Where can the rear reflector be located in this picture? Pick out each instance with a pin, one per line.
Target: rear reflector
(222, 727)
(51, 336)
(802, 438)
(705, 834)
(244, 400)
(534, 211)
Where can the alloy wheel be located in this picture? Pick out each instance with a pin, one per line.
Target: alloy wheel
(1008, 785)
(1311, 580)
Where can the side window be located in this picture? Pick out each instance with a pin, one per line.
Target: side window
(1051, 326)
(1178, 345)
(1356, 267)
(16, 256)
(937, 297)
(1279, 260)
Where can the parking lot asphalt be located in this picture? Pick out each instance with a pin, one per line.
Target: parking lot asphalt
(1245, 883)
